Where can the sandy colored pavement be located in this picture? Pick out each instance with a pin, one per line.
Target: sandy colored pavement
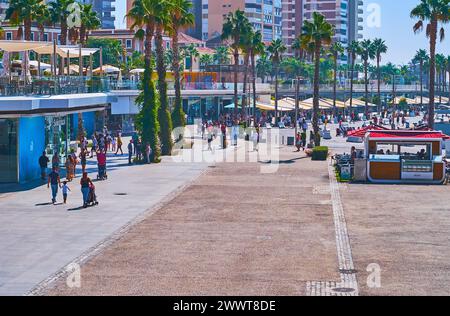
(405, 229)
(234, 231)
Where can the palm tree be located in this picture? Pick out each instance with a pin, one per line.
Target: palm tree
(393, 71)
(191, 52)
(246, 47)
(24, 12)
(379, 47)
(367, 53)
(59, 11)
(257, 49)
(319, 32)
(431, 12)
(336, 51)
(165, 121)
(180, 17)
(143, 13)
(263, 66)
(276, 50)
(221, 55)
(89, 22)
(448, 70)
(297, 47)
(234, 26)
(420, 57)
(353, 50)
(206, 60)
(440, 67)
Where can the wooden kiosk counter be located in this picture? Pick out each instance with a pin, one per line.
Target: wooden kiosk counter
(398, 156)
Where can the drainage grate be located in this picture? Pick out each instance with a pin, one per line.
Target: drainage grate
(347, 271)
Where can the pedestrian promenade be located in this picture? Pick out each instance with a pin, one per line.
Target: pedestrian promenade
(37, 238)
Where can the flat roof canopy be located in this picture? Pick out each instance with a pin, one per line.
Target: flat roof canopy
(45, 48)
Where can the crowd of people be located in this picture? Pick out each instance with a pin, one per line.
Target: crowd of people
(100, 145)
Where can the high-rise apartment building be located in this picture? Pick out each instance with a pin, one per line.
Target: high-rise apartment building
(264, 15)
(345, 15)
(105, 11)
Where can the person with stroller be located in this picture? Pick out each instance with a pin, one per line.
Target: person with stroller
(86, 184)
(101, 163)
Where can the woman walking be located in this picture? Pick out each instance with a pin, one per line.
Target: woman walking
(119, 145)
(85, 183)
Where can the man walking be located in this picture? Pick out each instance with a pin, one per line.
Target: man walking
(55, 182)
(43, 162)
(130, 151)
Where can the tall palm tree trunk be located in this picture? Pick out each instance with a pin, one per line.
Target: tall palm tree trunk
(276, 95)
(178, 115)
(421, 84)
(433, 37)
(351, 82)
(254, 86)
(244, 86)
(379, 83)
(334, 85)
(236, 69)
(27, 29)
(315, 118)
(165, 121)
(366, 89)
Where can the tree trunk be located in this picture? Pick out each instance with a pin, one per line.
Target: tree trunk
(366, 89)
(63, 30)
(315, 119)
(178, 114)
(433, 36)
(351, 81)
(421, 84)
(379, 83)
(254, 86)
(244, 86)
(165, 121)
(276, 95)
(82, 35)
(236, 68)
(335, 84)
(27, 29)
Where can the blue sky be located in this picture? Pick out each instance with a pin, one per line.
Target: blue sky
(395, 28)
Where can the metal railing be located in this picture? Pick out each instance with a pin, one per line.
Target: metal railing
(34, 85)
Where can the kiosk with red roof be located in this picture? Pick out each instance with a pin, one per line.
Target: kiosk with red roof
(399, 156)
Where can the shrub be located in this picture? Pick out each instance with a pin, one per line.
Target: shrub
(320, 153)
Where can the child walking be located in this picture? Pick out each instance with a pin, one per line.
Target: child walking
(65, 191)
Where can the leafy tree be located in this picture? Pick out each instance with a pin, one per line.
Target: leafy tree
(276, 50)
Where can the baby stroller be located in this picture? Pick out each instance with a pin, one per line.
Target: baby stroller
(92, 198)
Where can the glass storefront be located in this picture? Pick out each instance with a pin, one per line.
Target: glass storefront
(57, 136)
(8, 150)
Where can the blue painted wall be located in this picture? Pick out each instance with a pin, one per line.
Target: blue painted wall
(88, 123)
(31, 146)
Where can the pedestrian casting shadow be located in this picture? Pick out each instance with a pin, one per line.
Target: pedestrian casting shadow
(79, 208)
(48, 203)
(285, 162)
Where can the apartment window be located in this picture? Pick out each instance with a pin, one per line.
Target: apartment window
(45, 37)
(32, 36)
(9, 36)
(129, 43)
(59, 38)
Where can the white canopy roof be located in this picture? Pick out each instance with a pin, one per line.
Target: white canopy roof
(45, 48)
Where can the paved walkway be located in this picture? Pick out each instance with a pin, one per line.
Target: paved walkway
(37, 239)
(234, 231)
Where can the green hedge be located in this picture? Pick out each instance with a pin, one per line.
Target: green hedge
(320, 153)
